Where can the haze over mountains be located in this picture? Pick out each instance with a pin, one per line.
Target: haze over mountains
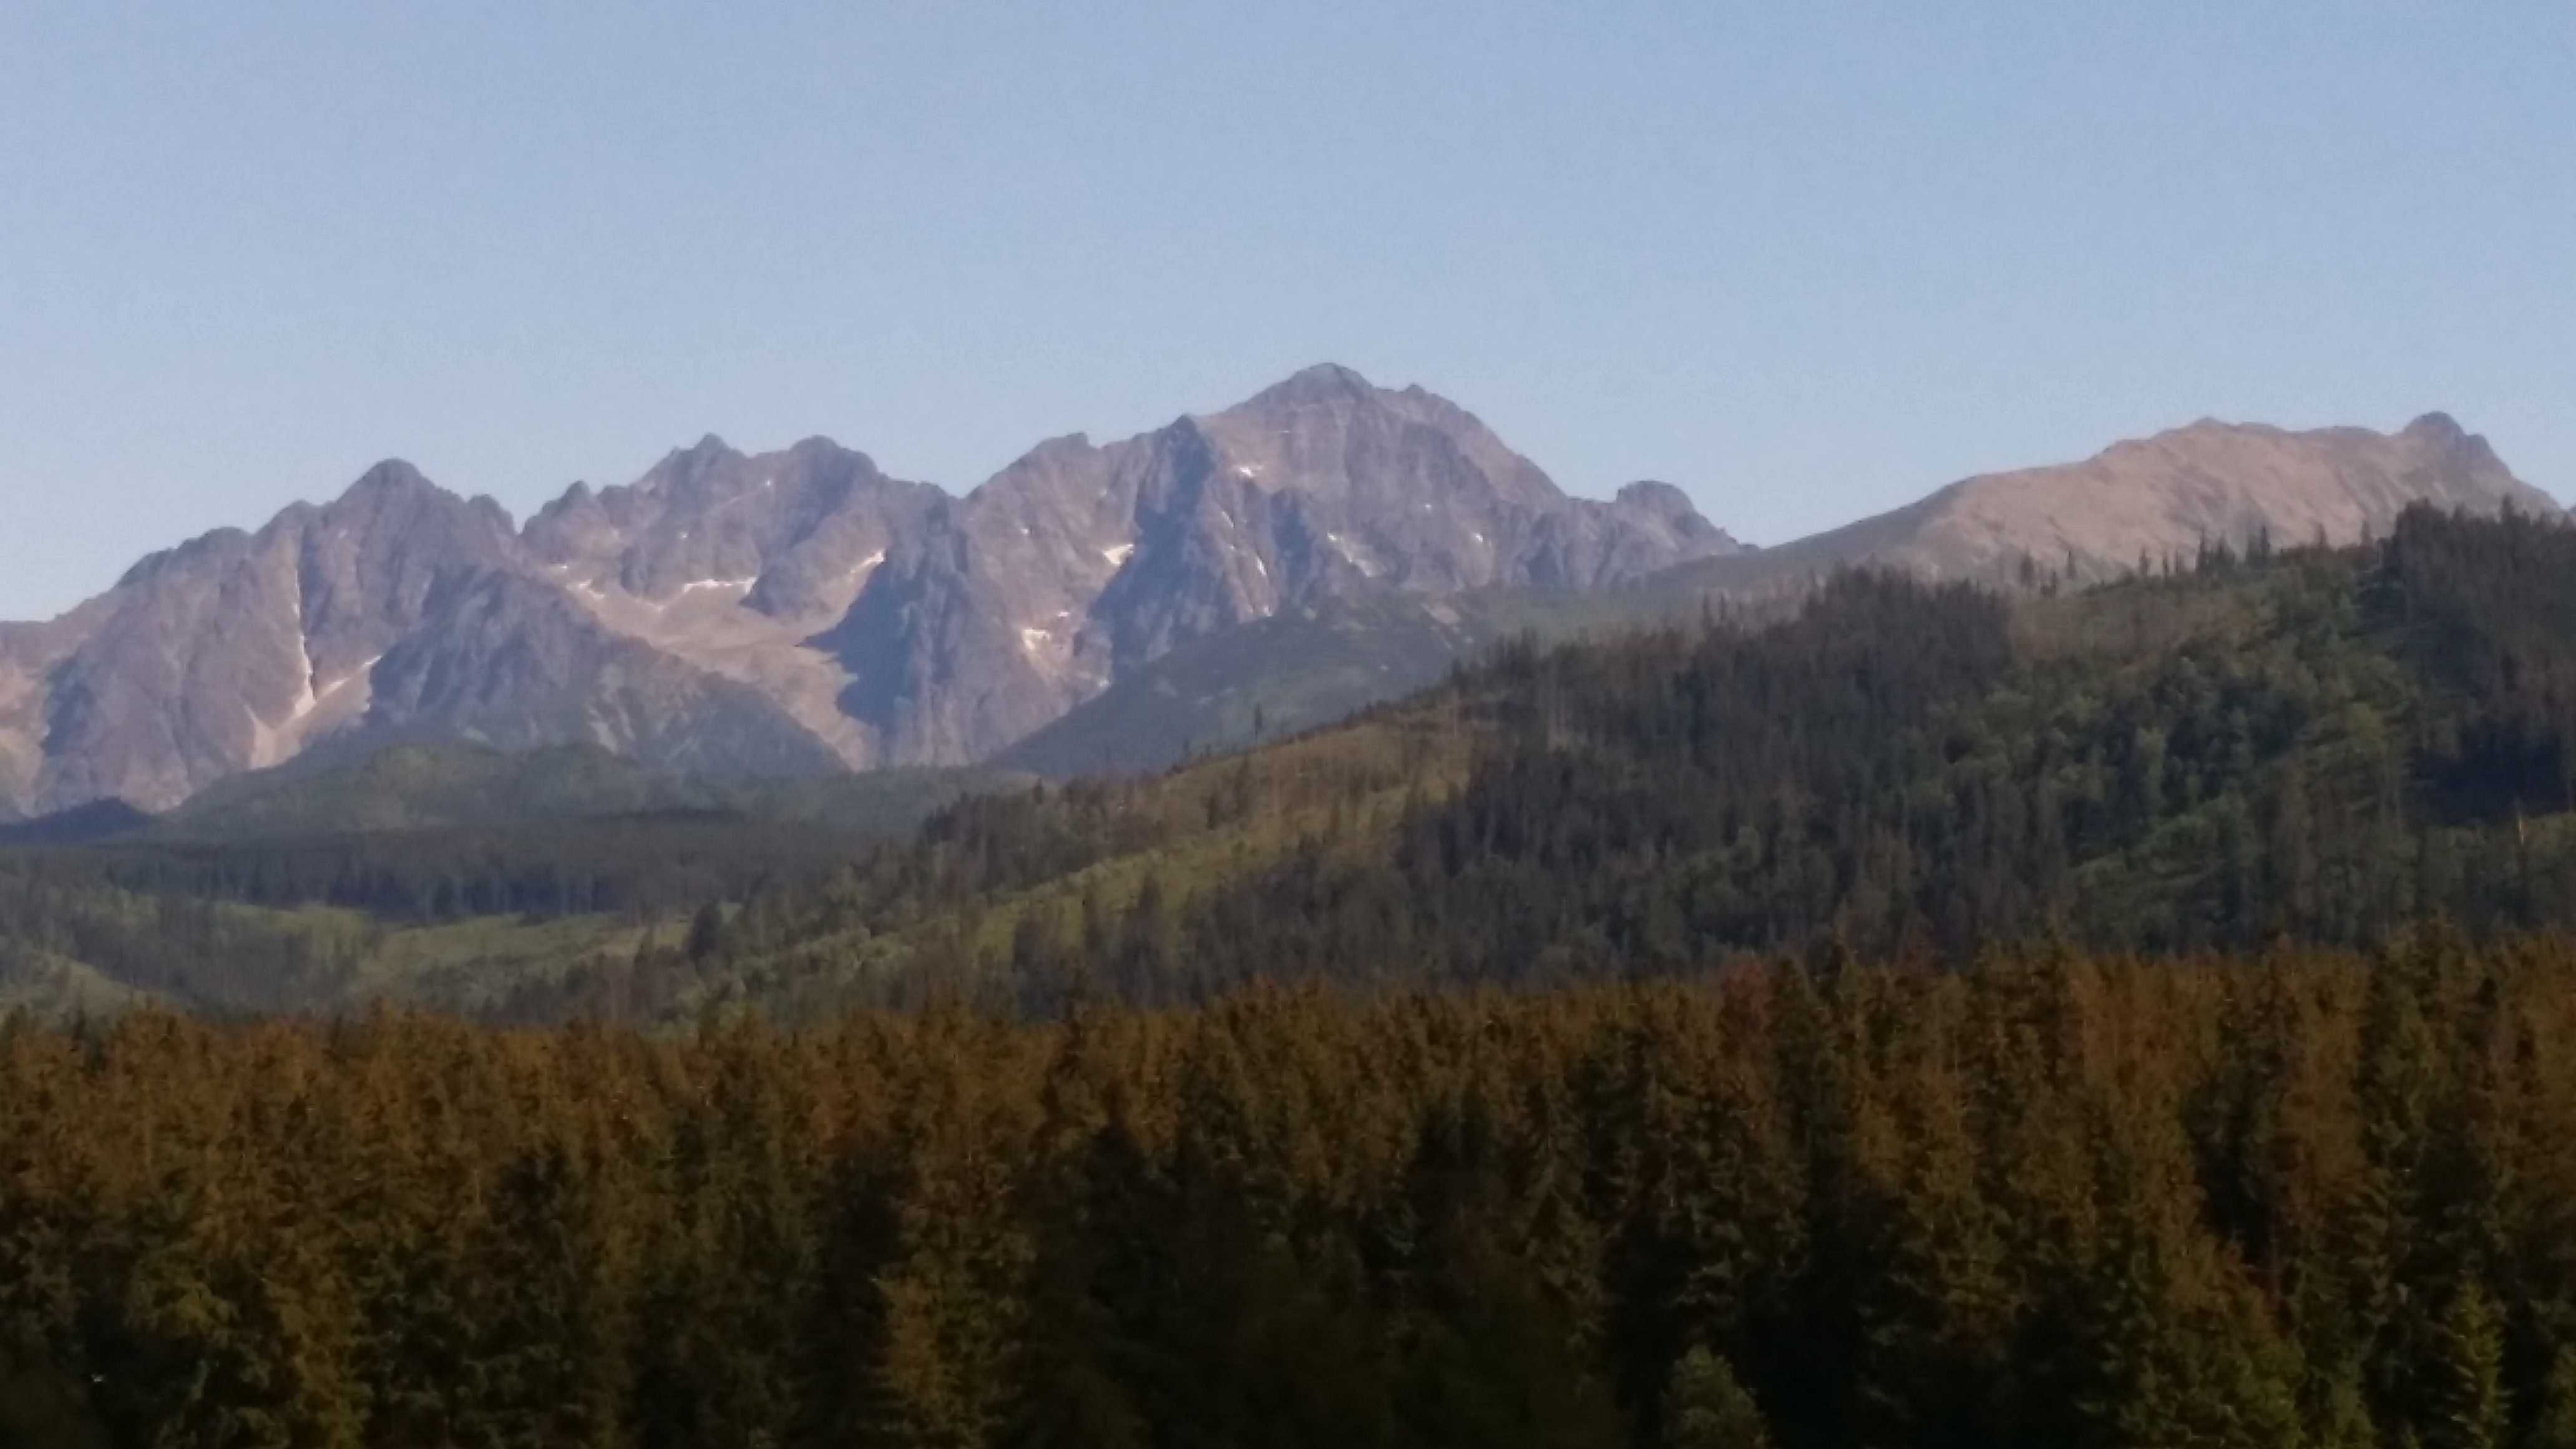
(2139, 502)
(800, 611)
(788, 612)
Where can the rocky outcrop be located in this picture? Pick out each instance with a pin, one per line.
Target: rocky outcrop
(1079, 564)
(231, 651)
(787, 611)
(795, 611)
(902, 626)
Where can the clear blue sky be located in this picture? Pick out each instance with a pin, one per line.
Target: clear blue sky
(1807, 261)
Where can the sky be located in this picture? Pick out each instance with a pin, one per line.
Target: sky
(1806, 261)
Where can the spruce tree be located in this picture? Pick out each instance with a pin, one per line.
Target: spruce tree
(2467, 1399)
(1706, 1408)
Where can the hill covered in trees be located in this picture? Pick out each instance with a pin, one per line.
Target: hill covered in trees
(2134, 1016)
(2310, 1197)
(2314, 745)
(437, 874)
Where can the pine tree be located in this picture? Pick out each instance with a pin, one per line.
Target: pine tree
(2467, 1400)
(1706, 1408)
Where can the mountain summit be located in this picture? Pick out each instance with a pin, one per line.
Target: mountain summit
(799, 611)
(2152, 499)
(786, 612)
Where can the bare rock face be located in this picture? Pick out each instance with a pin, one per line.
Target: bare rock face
(2144, 502)
(789, 611)
(800, 610)
(2217, 482)
(397, 609)
(1079, 564)
(730, 562)
(227, 653)
(507, 660)
(902, 626)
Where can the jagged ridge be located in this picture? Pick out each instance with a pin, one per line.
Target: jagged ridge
(786, 612)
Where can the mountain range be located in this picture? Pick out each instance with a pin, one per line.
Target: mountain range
(1319, 546)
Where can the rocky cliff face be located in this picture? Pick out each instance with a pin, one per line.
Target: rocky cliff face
(397, 609)
(789, 611)
(797, 611)
(229, 652)
(1078, 563)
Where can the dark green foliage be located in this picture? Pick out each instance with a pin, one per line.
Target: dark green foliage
(2312, 1197)
(2304, 745)
(1936, 1022)
(2311, 745)
(646, 864)
(2467, 1375)
(1705, 1408)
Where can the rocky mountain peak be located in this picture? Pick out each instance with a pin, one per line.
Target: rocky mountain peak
(798, 605)
(1669, 508)
(2442, 436)
(2154, 499)
(690, 470)
(391, 476)
(1325, 382)
(1663, 500)
(1328, 431)
(394, 494)
(792, 605)
(1080, 563)
(2438, 427)
(826, 450)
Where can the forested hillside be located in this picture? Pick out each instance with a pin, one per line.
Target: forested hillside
(448, 876)
(2306, 1198)
(2313, 745)
(2137, 1016)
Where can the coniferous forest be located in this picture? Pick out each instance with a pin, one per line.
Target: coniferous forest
(2306, 745)
(2134, 1016)
(2301, 1197)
